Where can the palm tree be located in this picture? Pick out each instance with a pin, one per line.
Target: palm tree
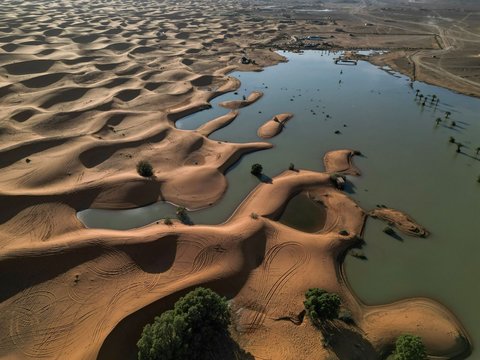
(477, 150)
(416, 92)
(459, 147)
(451, 140)
(453, 124)
(447, 114)
(438, 121)
(434, 97)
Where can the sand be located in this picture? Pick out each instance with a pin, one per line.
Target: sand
(274, 126)
(89, 90)
(340, 162)
(104, 283)
(238, 104)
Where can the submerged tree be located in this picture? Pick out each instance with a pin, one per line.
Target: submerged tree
(256, 169)
(459, 147)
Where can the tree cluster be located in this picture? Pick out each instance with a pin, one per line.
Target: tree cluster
(321, 305)
(189, 331)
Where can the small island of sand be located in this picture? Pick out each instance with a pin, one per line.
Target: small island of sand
(274, 126)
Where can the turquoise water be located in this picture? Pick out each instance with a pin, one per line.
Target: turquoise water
(408, 164)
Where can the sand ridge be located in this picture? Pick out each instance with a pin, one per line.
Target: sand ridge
(90, 88)
(105, 282)
(238, 104)
(274, 126)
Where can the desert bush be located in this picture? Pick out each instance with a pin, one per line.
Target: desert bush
(321, 305)
(409, 347)
(189, 331)
(144, 168)
(181, 213)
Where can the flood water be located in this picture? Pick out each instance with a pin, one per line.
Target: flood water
(409, 165)
(304, 214)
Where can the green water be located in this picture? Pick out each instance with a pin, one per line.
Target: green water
(408, 164)
(304, 214)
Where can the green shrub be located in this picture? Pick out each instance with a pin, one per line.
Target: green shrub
(256, 169)
(144, 168)
(409, 347)
(321, 305)
(167, 221)
(291, 167)
(254, 216)
(189, 331)
(181, 213)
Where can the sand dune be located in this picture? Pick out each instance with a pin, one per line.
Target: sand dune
(89, 89)
(340, 161)
(237, 104)
(218, 123)
(105, 282)
(273, 126)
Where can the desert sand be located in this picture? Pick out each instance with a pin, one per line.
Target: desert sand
(238, 104)
(274, 126)
(88, 90)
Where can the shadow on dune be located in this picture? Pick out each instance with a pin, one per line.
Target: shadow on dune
(347, 343)
(121, 342)
(21, 271)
